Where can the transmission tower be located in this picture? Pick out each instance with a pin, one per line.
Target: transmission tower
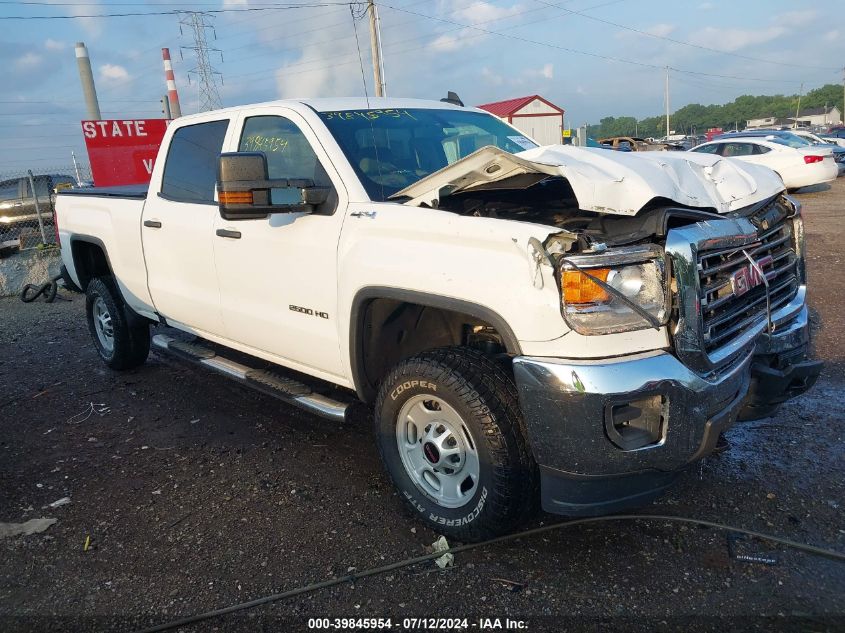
(198, 23)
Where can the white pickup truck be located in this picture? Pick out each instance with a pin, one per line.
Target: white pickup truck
(555, 324)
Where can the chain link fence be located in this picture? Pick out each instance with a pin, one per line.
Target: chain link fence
(27, 199)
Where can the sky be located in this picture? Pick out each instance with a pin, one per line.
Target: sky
(593, 58)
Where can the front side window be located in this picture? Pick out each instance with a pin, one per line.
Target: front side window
(289, 154)
(391, 149)
(190, 171)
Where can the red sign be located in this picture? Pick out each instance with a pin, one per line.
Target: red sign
(122, 152)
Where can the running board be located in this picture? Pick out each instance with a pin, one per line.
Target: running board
(268, 382)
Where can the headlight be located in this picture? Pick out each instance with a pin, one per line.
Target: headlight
(638, 273)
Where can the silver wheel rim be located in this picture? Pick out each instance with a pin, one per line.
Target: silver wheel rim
(437, 450)
(103, 324)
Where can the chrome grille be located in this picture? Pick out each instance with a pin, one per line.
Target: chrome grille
(726, 312)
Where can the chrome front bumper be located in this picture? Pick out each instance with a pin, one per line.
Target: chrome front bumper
(577, 413)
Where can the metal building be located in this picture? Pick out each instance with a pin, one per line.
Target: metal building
(537, 117)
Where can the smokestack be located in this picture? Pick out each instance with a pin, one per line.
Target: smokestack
(172, 95)
(87, 79)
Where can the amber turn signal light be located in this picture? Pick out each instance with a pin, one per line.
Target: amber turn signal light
(578, 287)
(235, 197)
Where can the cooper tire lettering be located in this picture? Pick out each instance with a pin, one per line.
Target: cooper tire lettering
(410, 384)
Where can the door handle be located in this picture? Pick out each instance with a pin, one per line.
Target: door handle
(235, 235)
(153, 224)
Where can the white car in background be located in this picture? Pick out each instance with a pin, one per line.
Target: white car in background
(797, 166)
(815, 139)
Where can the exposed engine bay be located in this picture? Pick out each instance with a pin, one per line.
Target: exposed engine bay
(551, 201)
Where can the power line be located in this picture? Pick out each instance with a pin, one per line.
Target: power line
(681, 42)
(426, 37)
(170, 12)
(581, 52)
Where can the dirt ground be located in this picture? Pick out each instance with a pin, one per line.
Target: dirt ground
(194, 493)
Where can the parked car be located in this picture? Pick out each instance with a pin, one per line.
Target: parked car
(567, 325)
(837, 149)
(797, 138)
(797, 163)
(630, 144)
(18, 203)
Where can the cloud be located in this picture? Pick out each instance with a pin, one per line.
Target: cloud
(734, 39)
(795, 18)
(54, 45)
(113, 73)
(546, 72)
(446, 43)
(477, 13)
(831, 36)
(491, 77)
(228, 4)
(28, 61)
(480, 11)
(93, 26)
(321, 80)
(660, 30)
(706, 6)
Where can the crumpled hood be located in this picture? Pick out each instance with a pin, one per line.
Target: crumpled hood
(613, 182)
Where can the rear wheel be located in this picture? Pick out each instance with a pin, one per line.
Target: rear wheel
(119, 344)
(450, 434)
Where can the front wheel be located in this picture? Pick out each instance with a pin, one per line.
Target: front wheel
(119, 344)
(449, 431)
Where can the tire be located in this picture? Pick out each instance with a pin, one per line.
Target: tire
(108, 323)
(468, 417)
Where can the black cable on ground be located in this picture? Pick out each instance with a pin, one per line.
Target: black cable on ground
(31, 292)
(809, 549)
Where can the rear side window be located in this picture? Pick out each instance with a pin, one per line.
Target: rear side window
(190, 172)
(738, 149)
(762, 149)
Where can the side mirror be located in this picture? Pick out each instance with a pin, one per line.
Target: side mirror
(247, 193)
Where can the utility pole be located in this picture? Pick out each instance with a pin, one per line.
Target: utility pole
(165, 107)
(375, 48)
(199, 22)
(667, 103)
(798, 109)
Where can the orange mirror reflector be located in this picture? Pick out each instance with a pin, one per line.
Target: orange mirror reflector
(235, 197)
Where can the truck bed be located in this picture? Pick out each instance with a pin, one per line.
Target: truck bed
(134, 192)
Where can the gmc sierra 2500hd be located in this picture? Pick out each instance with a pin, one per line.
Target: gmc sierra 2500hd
(574, 326)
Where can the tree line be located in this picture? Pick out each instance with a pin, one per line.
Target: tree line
(697, 119)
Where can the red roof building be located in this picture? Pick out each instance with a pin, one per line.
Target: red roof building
(537, 117)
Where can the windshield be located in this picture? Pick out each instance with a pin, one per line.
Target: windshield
(391, 149)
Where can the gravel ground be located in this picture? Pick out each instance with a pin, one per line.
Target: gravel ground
(194, 493)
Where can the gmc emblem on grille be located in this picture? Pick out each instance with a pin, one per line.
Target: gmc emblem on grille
(749, 277)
